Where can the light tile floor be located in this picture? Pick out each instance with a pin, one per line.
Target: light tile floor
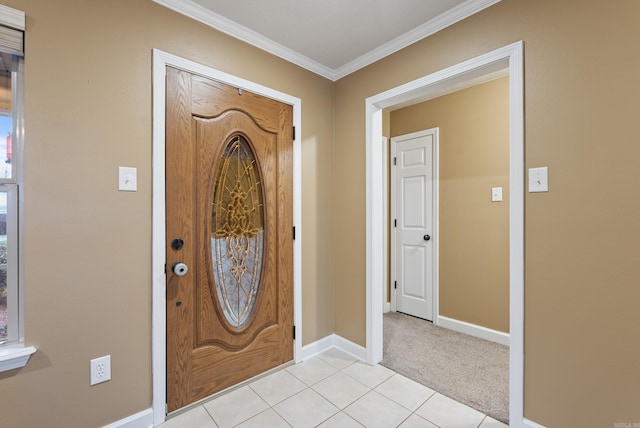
(332, 390)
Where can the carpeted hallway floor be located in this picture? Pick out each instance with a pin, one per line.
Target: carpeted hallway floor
(470, 370)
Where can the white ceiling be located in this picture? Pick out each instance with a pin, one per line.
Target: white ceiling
(332, 38)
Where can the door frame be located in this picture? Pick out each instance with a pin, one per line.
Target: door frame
(451, 79)
(435, 209)
(161, 60)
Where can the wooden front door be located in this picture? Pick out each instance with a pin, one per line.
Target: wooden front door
(229, 236)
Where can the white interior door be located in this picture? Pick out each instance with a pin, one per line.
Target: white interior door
(414, 191)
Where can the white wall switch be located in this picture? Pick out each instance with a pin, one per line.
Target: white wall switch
(100, 369)
(127, 179)
(539, 179)
(496, 194)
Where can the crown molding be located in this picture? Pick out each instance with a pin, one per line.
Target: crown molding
(201, 14)
(425, 30)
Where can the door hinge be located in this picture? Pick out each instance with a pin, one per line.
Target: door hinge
(395, 223)
(294, 133)
(165, 268)
(395, 160)
(294, 233)
(294, 332)
(395, 285)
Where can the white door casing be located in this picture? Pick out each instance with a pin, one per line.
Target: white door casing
(465, 74)
(414, 202)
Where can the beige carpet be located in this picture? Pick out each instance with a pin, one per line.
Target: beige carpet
(469, 370)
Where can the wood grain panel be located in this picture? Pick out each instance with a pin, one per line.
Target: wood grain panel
(264, 312)
(285, 227)
(180, 156)
(211, 98)
(206, 354)
(213, 365)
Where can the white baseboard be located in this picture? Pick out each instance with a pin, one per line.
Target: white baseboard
(334, 341)
(317, 347)
(526, 423)
(143, 419)
(474, 330)
(350, 348)
(387, 307)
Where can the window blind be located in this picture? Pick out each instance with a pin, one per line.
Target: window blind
(12, 24)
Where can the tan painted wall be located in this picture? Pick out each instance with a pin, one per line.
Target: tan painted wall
(88, 110)
(581, 245)
(474, 232)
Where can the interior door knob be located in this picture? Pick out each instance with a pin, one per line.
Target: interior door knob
(426, 237)
(180, 268)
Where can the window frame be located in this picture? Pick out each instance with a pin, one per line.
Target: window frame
(13, 353)
(13, 273)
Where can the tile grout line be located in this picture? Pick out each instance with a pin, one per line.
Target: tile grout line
(311, 374)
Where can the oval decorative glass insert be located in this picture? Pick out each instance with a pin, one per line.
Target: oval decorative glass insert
(237, 231)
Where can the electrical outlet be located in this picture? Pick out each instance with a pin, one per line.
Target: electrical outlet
(100, 369)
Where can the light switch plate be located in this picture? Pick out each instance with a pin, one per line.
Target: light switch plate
(539, 179)
(127, 179)
(496, 194)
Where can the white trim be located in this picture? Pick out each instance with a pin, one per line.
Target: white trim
(391, 206)
(160, 61)
(143, 419)
(374, 227)
(18, 155)
(333, 341)
(350, 348)
(15, 357)
(436, 220)
(12, 267)
(13, 354)
(435, 215)
(201, 14)
(456, 86)
(13, 18)
(474, 330)
(317, 347)
(385, 243)
(510, 57)
(526, 423)
(448, 18)
(516, 232)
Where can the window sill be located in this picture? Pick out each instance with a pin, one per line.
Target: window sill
(15, 357)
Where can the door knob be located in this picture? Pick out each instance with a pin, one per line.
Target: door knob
(180, 268)
(426, 237)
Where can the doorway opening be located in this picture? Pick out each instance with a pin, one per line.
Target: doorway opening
(470, 239)
(446, 81)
